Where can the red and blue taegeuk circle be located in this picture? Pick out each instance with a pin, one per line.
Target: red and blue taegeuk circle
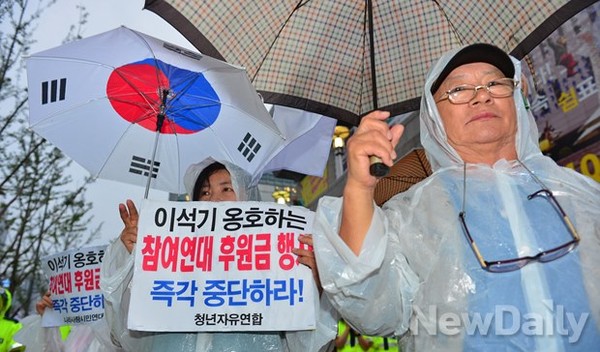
(135, 93)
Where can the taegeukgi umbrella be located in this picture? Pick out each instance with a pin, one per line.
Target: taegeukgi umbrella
(135, 109)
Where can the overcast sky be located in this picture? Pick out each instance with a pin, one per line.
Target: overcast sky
(105, 15)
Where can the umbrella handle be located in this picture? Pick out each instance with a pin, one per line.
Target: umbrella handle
(378, 168)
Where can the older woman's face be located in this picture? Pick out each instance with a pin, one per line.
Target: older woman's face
(218, 188)
(484, 119)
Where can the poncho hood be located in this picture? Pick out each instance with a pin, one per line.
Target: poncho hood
(433, 134)
(240, 179)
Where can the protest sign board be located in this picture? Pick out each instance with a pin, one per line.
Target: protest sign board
(221, 266)
(74, 285)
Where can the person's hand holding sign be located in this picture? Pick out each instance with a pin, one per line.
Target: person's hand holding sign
(130, 217)
(307, 257)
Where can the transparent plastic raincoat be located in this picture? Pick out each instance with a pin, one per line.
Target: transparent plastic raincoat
(115, 280)
(93, 337)
(417, 277)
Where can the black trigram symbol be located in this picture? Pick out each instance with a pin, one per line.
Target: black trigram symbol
(141, 166)
(249, 147)
(54, 90)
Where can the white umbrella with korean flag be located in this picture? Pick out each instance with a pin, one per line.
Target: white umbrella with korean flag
(135, 109)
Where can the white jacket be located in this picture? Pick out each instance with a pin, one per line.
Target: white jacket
(115, 280)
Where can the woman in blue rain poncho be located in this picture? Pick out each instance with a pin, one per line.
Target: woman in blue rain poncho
(206, 181)
(499, 249)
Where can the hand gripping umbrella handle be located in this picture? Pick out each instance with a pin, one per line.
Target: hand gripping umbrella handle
(378, 168)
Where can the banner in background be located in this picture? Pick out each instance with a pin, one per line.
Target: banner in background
(313, 187)
(562, 75)
(221, 266)
(75, 286)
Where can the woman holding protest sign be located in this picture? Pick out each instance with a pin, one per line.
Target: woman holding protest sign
(206, 181)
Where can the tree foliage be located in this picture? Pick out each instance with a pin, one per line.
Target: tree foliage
(42, 210)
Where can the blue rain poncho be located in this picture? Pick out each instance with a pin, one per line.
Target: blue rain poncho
(417, 277)
(115, 279)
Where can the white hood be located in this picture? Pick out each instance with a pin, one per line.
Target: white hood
(433, 135)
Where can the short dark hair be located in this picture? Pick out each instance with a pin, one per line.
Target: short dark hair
(204, 175)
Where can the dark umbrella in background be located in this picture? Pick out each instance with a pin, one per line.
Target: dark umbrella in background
(411, 169)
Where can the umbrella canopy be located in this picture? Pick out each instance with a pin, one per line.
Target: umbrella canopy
(411, 169)
(343, 59)
(123, 103)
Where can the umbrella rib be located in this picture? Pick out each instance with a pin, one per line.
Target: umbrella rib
(140, 93)
(189, 84)
(460, 40)
(404, 178)
(50, 117)
(222, 146)
(92, 62)
(215, 102)
(234, 107)
(372, 52)
(113, 150)
(264, 58)
(68, 59)
(423, 164)
(162, 90)
(144, 116)
(189, 107)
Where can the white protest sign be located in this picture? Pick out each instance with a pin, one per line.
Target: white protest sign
(221, 266)
(74, 286)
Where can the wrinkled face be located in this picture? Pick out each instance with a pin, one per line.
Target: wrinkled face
(484, 119)
(218, 188)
